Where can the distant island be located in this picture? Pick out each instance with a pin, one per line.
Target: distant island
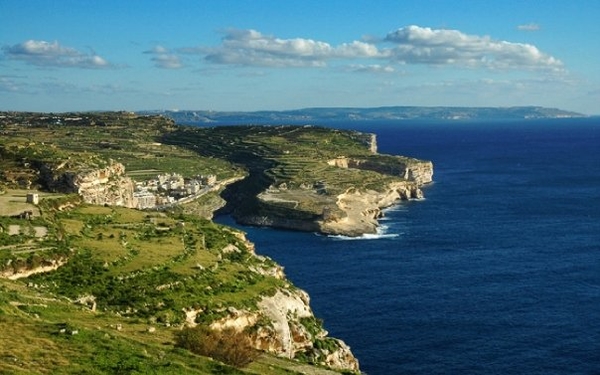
(311, 115)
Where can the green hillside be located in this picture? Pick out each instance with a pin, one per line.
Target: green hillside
(119, 283)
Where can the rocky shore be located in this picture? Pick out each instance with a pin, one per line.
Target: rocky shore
(352, 213)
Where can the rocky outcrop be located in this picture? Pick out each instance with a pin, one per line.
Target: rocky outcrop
(362, 209)
(421, 173)
(410, 169)
(373, 144)
(283, 322)
(285, 325)
(284, 309)
(20, 273)
(106, 186)
(294, 322)
(352, 213)
(102, 186)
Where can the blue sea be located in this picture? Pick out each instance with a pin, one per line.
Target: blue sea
(496, 271)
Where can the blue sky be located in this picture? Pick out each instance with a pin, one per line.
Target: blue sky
(68, 55)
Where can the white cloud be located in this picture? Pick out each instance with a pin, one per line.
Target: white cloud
(375, 68)
(419, 45)
(250, 47)
(52, 54)
(356, 49)
(165, 59)
(408, 45)
(529, 27)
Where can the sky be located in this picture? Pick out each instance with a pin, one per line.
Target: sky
(238, 55)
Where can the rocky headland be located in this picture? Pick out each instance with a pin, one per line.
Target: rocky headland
(309, 178)
(353, 212)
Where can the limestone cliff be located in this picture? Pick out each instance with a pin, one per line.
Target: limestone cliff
(285, 325)
(353, 212)
(102, 186)
(297, 334)
(418, 171)
(13, 273)
(362, 209)
(283, 322)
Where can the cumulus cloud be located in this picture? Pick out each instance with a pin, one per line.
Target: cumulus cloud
(250, 47)
(52, 54)
(421, 45)
(165, 59)
(529, 27)
(407, 45)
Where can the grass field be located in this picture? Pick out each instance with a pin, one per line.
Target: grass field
(143, 271)
(13, 202)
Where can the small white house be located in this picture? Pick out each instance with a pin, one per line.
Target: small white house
(33, 198)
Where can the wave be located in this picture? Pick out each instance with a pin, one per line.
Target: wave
(381, 234)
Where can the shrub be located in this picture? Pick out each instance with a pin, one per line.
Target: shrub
(228, 346)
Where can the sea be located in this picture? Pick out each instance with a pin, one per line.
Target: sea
(496, 271)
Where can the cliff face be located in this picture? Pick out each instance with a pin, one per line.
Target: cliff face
(46, 266)
(420, 172)
(283, 323)
(106, 186)
(101, 186)
(292, 322)
(362, 209)
(352, 213)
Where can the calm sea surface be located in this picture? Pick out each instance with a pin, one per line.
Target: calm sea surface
(497, 271)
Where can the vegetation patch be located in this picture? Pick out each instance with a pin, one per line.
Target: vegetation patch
(228, 346)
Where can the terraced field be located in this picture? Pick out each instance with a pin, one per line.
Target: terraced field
(134, 141)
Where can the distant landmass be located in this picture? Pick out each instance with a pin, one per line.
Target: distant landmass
(308, 115)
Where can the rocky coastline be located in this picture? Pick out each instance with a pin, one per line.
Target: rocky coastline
(352, 213)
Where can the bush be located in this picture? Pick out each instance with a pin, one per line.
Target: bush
(228, 346)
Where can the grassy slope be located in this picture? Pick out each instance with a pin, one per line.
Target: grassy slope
(143, 271)
(45, 334)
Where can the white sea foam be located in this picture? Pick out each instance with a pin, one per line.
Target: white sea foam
(381, 234)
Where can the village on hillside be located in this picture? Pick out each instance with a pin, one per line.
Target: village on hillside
(170, 188)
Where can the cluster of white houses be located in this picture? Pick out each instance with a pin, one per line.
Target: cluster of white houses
(168, 188)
